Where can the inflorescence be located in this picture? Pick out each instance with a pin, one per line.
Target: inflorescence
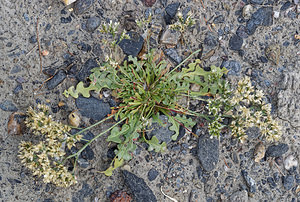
(247, 108)
(46, 159)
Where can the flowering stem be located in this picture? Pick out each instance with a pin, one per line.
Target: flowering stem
(92, 126)
(90, 141)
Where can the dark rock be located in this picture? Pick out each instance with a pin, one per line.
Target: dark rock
(170, 12)
(56, 79)
(18, 88)
(85, 191)
(277, 150)
(276, 177)
(8, 105)
(257, 1)
(81, 6)
(162, 133)
(262, 17)
(111, 152)
(253, 132)
(87, 153)
(263, 59)
(84, 47)
(249, 181)
(219, 19)
(138, 187)
(164, 2)
(173, 55)
(208, 152)
(235, 42)
(286, 44)
(32, 39)
(97, 49)
(233, 67)
(13, 181)
(288, 182)
(271, 182)
(92, 24)
(242, 31)
(83, 163)
(285, 6)
(48, 27)
(251, 27)
(133, 45)
(66, 20)
(210, 41)
(92, 108)
(9, 44)
(149, 3)
(72, 70)
(297, 178)
(85, 70)
(50, 71)
(234, 157)
(152, 174)
(15, 69)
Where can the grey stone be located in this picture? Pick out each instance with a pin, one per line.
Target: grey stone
(235, 42)
(92, 24)
(170, 37)
(219, 19)
(18, 88)
(257, 1)
(285, 6)
(92, 108)
(97, 49)
(85, 191)
(162, 133)
(83, 163)
(133, 45)
(233, 66)
(85, 70)
(208, 152)
(249, 181)
(277, 150)
(152, 174)
(271, 182)
(170, 12)
(239, 196)
(262, 17)
(210, 40)
(288, 182)
(138, 187)
(56, 79)
(173, 55)
(242, 31)
(81, 6)
(8, 105)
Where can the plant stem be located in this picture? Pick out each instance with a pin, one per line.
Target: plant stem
(90, 141)
(95, 124)
(197, 51)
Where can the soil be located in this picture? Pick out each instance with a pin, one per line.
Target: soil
(62, 33)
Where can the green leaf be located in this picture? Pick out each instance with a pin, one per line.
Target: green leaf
(154, 145)
(125, 150)
(116, 163)
(80, 89)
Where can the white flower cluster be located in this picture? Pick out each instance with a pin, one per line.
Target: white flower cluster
(250, 109)
(45, 158)
(247, 108)
(182, 24)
